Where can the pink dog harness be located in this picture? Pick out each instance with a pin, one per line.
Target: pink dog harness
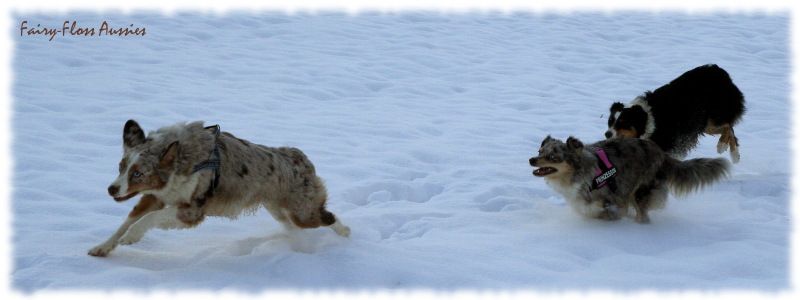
(605, 173)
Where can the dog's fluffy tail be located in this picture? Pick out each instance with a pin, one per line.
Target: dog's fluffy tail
(686, 177)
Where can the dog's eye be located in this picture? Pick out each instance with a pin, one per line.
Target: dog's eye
(136, 174)
(551, 157)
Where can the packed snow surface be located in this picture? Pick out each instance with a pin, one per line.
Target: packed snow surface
(421, 123)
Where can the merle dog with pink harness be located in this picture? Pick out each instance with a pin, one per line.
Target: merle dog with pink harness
(603, 179)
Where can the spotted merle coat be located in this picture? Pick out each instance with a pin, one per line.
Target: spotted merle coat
(644, 174)
(162, 167)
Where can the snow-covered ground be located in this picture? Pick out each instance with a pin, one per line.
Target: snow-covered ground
(421, 123)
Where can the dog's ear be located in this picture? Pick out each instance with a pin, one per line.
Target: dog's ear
(638, 111)
(574, 145)
(132, 135)
(546, 140)
(169, 154)
(617, 106)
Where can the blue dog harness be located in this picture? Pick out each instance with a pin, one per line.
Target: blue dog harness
(214, 161)
(606, 172)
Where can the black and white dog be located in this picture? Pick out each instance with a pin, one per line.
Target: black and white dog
(703, 100)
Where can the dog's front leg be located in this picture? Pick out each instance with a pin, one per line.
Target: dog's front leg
(147, 204)
(611, 210)
(164, 219)
(191, 214)
(184, 215)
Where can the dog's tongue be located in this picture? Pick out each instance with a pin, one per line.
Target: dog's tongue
(544, 171)
(120, 199)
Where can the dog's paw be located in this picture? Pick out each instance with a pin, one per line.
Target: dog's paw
(642, 219)
(131, 237)
(341, 229)
(101, 250)
(735, 156)
(344, 231)
(722, 146)
(611, 208)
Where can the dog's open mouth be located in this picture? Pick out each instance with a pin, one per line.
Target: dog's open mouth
(544, 171)
(120, 199)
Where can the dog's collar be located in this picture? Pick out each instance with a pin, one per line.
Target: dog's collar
(605, 173)
(650, 126)
(214, 162)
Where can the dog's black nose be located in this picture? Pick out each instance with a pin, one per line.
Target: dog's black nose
(532, 161)
(113, 190)
(608, 134)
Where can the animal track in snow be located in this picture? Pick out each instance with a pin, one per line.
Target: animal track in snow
(247, 246)
(392, 191)
(303, 241)
(407, 226)
(509, 198)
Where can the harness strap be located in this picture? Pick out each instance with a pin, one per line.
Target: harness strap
(603, 158)
(605, 173)
(213, 162)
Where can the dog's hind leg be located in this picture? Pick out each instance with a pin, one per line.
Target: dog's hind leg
(281, 215)
(330, 220)
(722, 131)
(641, 197)
(727, 139)
(322, 218)
(340, 229)
(147, 204)
(308, 208)
(734, 143)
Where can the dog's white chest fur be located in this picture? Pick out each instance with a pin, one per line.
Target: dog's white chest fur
(572, 195)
